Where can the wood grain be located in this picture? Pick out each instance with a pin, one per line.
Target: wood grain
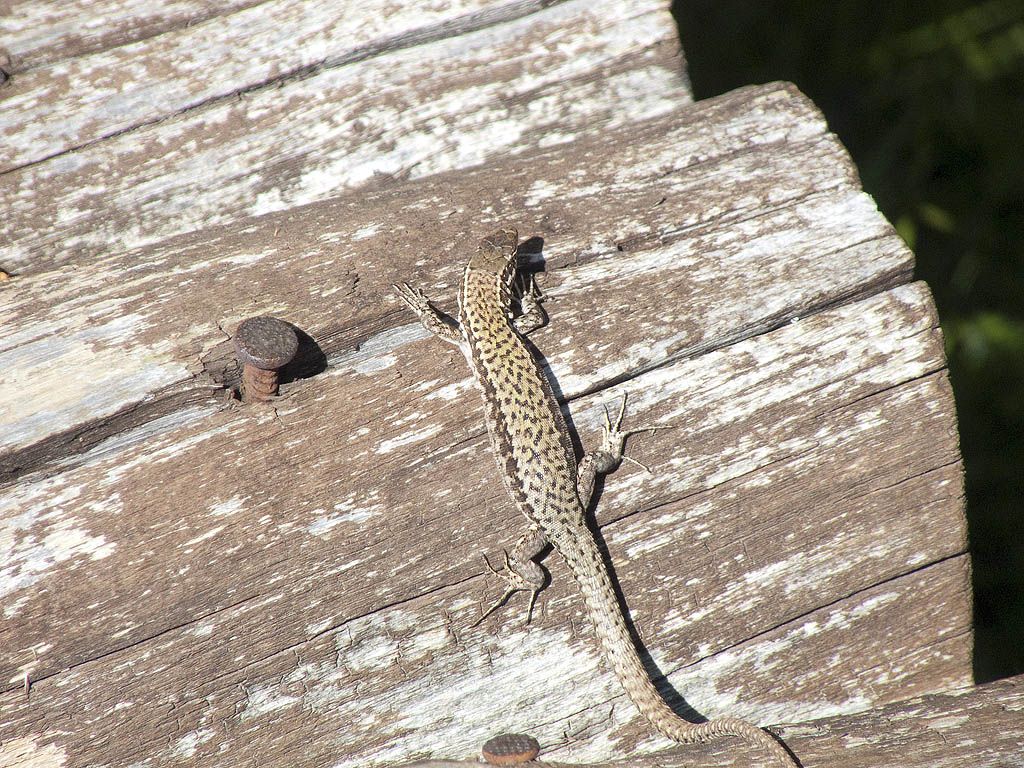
(248, 598)
(977, 727)
(664, 206)
(769, 560)
(179, 147)
(35, 33)
(82, 99)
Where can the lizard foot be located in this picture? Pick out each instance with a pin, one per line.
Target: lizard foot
(515, 583)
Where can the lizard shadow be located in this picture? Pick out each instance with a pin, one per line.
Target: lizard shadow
(532, 260)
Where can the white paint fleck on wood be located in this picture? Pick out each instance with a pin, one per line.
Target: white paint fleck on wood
(40, 752)
(51, 381)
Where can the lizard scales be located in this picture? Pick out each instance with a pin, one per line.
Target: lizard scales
(535, 456)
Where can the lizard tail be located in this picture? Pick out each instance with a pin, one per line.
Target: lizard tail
(609, 623)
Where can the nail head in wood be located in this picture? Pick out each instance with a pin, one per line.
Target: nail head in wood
(510, 749)
(264, 345)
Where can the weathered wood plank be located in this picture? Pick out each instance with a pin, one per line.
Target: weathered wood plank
(80, 100)
(35, 33)
(357, 697)
(977, 727)
(496, 91)
(200, 586)
(731, 206)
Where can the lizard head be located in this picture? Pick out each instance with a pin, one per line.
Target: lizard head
(497, 253)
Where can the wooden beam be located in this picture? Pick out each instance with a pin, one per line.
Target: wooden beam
(976, 727)
(134, 144)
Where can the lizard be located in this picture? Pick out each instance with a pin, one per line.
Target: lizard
(537, 462)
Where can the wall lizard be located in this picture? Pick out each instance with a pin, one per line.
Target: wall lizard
(535, 456)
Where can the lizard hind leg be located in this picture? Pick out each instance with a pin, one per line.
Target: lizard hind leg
(521, 573)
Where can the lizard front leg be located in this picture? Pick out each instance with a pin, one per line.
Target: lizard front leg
(438, 323)
(603, 460)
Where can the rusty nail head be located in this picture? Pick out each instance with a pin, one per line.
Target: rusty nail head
(264, 344)
(510, 749)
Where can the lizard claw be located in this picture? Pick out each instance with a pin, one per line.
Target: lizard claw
(412, 297)
(614, 438)
(613, 429)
